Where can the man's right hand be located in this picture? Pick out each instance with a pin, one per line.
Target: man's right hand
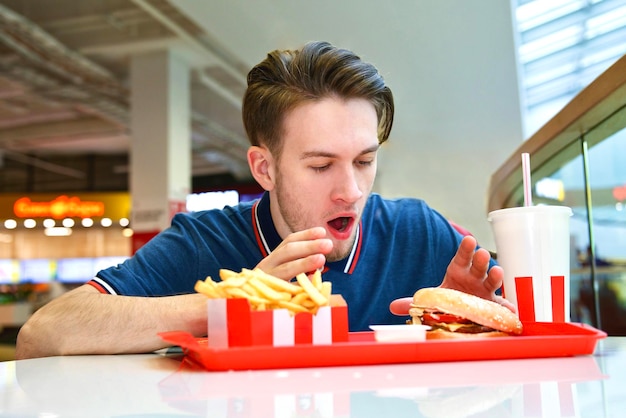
(302, 251)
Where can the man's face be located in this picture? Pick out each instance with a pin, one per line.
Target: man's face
(326, 169)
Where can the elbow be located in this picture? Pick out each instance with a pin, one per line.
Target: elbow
(31, 343)
(23, 348)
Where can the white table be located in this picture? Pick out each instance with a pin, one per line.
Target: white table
(166, 385)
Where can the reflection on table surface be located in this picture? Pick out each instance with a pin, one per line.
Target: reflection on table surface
(166, 385)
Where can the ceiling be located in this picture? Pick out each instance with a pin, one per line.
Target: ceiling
(65, 71)
(64, 88)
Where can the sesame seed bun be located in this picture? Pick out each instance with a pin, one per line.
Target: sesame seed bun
(477, 310)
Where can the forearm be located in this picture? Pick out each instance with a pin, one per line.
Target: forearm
(84, 321)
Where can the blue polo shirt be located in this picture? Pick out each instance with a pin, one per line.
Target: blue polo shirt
(402, 245)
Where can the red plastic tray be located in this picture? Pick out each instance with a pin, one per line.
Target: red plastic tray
(540, 339)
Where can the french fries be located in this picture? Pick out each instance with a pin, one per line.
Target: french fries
(265, 291)
(310, 288)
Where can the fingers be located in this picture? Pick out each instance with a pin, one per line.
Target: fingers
(302, 251)
(467, 258)
(507, 304)
(465, 252)
(306, 235)
(469, 272)
(291, 269)
(494, 278)
(303, 236)
(401, 306)
(480, 263)
(469, 261)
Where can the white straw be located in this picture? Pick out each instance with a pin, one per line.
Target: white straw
(528, 198)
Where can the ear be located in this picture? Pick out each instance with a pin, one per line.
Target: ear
(261, 165)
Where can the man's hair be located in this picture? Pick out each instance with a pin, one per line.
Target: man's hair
(287, 78)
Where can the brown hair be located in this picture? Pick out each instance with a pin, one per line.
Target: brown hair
(319, 70)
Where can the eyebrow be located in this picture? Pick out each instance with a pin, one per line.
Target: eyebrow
(311, 154)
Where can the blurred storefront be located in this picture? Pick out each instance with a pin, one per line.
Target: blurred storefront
(41, 233)
(49, 225)
(53, 242)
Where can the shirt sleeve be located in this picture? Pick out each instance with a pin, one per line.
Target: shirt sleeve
(194, 247)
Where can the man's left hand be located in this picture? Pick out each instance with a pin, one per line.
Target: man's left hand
(468, 272)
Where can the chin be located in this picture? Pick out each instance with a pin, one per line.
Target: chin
(340, 251)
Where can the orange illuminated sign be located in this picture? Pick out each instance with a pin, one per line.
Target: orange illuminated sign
(58, 208)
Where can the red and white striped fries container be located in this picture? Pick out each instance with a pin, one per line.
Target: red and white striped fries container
(533, 248)
(231, 323)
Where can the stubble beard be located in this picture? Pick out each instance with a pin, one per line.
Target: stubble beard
(292, 213)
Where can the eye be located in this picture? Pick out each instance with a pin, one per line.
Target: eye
(320, 168)
(365, 163)
(366, 160)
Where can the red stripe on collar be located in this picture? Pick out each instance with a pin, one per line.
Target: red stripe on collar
(358, 249)
(257, 232)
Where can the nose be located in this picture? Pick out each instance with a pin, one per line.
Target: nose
(347, 186)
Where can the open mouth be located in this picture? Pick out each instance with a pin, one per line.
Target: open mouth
(340, 224)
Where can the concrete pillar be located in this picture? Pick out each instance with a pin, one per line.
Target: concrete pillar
(160, 157)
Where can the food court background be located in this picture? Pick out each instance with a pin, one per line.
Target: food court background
(50, 243)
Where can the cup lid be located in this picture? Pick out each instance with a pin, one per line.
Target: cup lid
(565, 210)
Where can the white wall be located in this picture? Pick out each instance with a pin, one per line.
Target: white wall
(460, 115)
(450, 63)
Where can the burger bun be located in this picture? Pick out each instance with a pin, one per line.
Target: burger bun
(478, 310)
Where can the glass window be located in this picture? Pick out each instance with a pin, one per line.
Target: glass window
(562, 46)
(607, 246)
(561, 181)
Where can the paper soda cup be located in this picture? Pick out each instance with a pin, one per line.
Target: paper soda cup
(533, 249)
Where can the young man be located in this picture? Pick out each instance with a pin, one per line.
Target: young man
(315, 119)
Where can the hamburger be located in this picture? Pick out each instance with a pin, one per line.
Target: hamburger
(454, 314)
